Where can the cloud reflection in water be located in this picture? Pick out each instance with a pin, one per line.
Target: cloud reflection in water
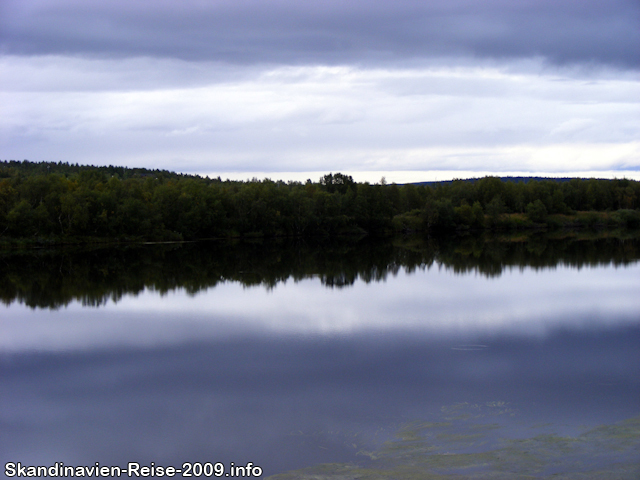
(301, 374)
(429, 302)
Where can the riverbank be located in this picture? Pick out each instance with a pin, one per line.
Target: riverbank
(616, 223)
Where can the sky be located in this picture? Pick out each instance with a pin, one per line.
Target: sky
(288, 89)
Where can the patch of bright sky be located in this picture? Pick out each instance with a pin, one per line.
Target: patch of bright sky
(292, 123)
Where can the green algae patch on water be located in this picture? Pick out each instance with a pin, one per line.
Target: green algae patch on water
(467, 450)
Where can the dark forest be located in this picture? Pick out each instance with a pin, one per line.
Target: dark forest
(50, 202)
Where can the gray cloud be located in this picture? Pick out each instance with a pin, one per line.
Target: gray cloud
(287, 86)
(327, 32)
(298, 119)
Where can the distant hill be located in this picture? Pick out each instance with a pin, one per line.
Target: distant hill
(26, 167)
(504, 179)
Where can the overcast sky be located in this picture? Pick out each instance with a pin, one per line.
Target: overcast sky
(290, 89)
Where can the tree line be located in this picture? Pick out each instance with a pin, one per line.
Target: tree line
(50, 201)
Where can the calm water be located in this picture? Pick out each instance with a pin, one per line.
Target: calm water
(468, 357)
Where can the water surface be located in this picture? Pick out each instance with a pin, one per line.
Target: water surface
(457, 356)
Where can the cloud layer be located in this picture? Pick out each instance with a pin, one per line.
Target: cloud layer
(252, 87)
(327, 32)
